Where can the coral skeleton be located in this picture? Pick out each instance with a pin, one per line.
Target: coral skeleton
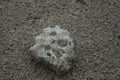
(55, 47)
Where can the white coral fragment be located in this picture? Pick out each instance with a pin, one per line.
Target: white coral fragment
(55, 46)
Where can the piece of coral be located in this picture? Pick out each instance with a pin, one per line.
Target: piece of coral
(55, 46)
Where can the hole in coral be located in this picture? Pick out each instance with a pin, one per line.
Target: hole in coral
(53, 33)
(53, 41)
(70, 43)
(62, 42)
(57, 53)
(48, 54)
(47, 47)
(62, 51)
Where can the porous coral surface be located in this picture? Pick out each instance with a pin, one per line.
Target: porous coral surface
(55, 46)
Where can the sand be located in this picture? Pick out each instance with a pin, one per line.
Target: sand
(94, 25)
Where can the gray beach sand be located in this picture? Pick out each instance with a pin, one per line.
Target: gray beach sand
(94, 25)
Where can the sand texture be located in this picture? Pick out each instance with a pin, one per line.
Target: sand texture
(94, 25)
